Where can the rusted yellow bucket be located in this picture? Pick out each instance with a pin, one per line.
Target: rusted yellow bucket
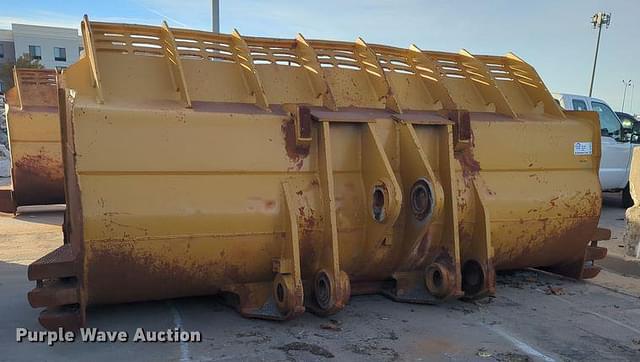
(290, 174)
(34, 141)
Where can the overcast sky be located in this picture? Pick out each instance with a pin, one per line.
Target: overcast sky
(556, 37)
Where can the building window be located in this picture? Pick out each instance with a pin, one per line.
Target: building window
(35, 52)
(1, 51)
(60, 54)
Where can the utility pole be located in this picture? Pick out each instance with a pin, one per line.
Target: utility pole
(633, 86)
(624, 94)
(215, 16)
(598, 20)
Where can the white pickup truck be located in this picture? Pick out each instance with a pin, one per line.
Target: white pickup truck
(616, 151)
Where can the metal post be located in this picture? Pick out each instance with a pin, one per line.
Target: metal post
(595, 60)
(598, 20)
(624, 93)
(215, 16)
(633, 86)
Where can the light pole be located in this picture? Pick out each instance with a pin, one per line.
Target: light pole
(633, 86)
(598, 20)
(215, 16)
(624, 94)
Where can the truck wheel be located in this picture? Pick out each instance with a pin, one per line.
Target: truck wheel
(627, 200)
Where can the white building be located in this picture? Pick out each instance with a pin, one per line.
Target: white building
(54, 47)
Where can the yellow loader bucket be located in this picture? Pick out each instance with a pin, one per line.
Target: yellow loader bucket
(34, 141)
(290, 174)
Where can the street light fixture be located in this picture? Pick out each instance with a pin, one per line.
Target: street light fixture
(598, 20)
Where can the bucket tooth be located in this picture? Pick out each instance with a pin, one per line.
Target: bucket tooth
(590, 271)
(57, 264)
(66, 317)
(595, 253)
(585, 268)
(57, 290)
(51, 293)
(601, 234)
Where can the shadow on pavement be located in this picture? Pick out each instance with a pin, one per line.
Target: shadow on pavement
(50, 216)
(612, 199)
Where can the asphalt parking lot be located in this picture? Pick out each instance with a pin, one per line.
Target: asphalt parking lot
(534, 316)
